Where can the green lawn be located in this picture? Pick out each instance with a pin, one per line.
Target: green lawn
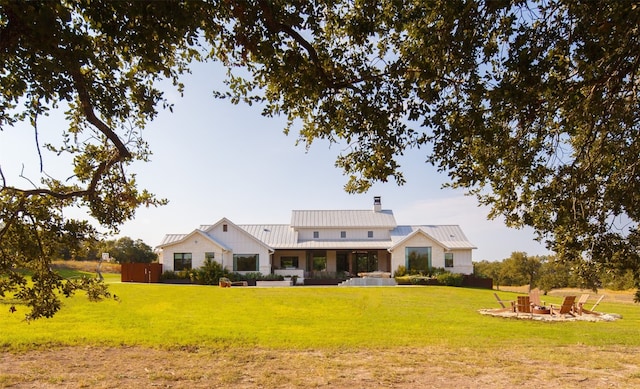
(159, 315)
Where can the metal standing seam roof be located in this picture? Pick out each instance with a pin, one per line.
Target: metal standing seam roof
(273, 235)
(175, 238)
(283, 236)
(343, 218)
(449, 235)
(172, 238)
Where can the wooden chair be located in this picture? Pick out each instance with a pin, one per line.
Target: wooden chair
(579, 304)
(523, 305)
(534, 297)
(566, 307)
(511, 307)
(590, 311)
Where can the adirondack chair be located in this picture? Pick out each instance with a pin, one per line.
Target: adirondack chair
(565, 308)
(590, 311)
(580, 303)
(523, 305)
(511, 307)
(534, 297)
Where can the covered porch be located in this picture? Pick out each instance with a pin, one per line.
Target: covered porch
(337, 263)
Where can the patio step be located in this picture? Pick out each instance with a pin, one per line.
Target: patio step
(369, 282)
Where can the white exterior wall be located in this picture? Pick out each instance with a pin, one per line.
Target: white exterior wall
(461, 258)
(305, 234)
(462, 262)
(197, 246)
(264, 265)
(242, 243)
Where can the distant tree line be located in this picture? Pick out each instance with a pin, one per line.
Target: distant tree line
(547, 273)
(123, 250)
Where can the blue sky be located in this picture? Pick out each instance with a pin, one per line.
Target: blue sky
(212, 159)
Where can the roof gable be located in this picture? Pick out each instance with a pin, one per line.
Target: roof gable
(230, 224)
(172, 239)
(448, 236)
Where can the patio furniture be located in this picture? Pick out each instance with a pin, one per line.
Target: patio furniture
(534, 296)
(565, 308)
(511, 307)
(523, 304)
(579, 304)
(591, 311)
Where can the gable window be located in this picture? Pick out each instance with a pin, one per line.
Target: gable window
(418, 259)
(245, 262)
(369, 234)
(316, 234)
(289, 262)
(181, 261)
(448, 259)
(343, 234)
(225, 228)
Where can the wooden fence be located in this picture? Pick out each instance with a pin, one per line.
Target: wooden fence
(140, 272)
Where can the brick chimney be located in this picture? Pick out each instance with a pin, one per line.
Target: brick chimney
(377, 204)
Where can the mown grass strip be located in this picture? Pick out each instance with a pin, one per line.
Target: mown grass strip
(157, 315)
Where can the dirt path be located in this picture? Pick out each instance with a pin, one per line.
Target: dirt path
(78, 367)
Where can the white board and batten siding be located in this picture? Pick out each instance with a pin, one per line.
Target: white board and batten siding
(242, 243)
(461, 258)
(216, 240)
(335, 234)
(197, 246)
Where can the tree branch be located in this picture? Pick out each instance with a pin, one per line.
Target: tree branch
(87, 108)
(276, 27)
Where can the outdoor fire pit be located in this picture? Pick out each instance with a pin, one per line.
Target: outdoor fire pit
(541, 310)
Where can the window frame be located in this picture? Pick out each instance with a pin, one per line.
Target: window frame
(243, 257)
(317, 260)
(421, 250)
(295, 262)
(182, 258)
(448, 260)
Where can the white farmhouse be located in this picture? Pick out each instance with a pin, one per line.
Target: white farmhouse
(343, 241)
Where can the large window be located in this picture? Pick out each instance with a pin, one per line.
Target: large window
(245, 262)
(317, 260)
(342, 261)
(181, 261)
(289, 262)
(366, 261)
(448, 259)
(418, 259)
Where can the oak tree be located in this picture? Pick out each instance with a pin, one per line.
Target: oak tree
(98, 61)
(530, 105)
